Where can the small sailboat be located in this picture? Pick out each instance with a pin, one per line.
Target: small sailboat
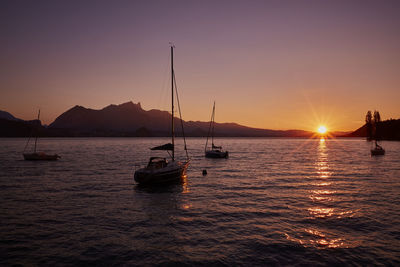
(216, 151)
(159, 170)
(39, 155)
(377, 150)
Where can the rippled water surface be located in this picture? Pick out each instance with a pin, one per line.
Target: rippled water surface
(273, 202)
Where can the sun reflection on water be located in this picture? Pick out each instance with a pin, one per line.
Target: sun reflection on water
(185, 185)
(315, 238)
(322, 206)
(323, 184)
(323, 193)
(185, 205)
(320, 198)
(321, 212)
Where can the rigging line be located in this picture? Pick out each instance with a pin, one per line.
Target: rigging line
(209, 129)
(180, 115)
(37, 131)
(27, 142)
(30, 136)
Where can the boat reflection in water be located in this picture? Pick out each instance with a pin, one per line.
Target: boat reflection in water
(164, 209)
(178, 186)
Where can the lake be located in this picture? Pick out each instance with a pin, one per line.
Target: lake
(273, 202)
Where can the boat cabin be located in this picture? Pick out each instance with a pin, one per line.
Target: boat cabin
(157, 163)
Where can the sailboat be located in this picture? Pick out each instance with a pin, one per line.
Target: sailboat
(159, 170)
(39, 155)
(377, 150)
(216, 151)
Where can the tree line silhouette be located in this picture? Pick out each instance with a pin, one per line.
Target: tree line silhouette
(373, 124)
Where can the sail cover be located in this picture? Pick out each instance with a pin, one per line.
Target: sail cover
(216, 147)
(168, 146)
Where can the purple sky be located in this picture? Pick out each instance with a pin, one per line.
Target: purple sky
(268, 64)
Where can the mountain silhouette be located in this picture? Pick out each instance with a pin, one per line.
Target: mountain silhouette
(129, 119)
(389, 130)
(124, 117)
(11, 126)
(8, 116)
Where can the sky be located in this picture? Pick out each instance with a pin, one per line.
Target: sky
(267, 64)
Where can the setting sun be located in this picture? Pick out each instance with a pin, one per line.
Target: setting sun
(322, 129)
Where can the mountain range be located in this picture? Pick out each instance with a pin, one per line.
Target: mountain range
(129, 119)
(11, 126)
(8, 116)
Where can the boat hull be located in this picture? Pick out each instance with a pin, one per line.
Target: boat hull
(377, 152)
(216, 154)
(169, 174)
(40, 156)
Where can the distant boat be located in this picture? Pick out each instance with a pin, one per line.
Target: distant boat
(378, 150)
(216, 151)
(159, 170)
(39, 155)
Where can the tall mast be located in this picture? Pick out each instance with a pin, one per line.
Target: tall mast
(172, 111)
(212, 130)
(36, 132)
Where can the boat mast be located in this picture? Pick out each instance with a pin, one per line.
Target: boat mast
(212, 130)
(172, 111)
(209, 128)
(36, 132)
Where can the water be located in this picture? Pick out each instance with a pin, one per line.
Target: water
(273, 202)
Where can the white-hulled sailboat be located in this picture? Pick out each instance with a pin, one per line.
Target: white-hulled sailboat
(159, 170)
(216, 151)
(39, 155)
